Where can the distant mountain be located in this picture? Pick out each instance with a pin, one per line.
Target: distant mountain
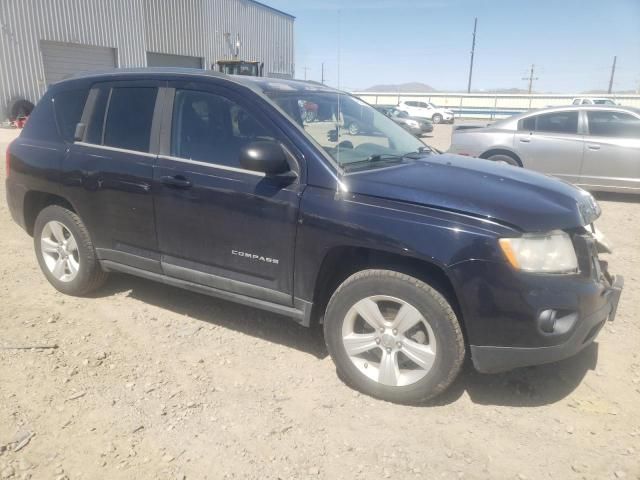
(413, 87)
(502, 90)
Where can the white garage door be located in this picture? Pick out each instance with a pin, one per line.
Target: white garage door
(63, 60)
(167, 60)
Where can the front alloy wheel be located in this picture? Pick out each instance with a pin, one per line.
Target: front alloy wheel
(393, 336)
(389, 340)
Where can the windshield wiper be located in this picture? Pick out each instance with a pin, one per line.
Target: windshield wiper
(377, 157)
(419, 152)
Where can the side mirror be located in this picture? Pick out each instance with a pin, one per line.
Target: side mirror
(78, 135)
(264, 156)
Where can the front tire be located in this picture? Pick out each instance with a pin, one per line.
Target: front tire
(437, 118)
(65, 252)
(354, 128)
(393, 337)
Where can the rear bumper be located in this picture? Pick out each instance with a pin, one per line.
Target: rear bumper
(15, 201)
(492, 359)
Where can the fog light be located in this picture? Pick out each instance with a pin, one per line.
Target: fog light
(547, 321)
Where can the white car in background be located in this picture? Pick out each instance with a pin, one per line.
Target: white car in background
(426, 110)
(592, 101)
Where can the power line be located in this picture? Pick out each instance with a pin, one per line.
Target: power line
(473, 50)
(531, 78)
(613, 72)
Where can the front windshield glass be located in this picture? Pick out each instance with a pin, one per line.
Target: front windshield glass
(348, 129)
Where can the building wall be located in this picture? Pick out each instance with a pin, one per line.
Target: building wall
(487, 105)
(133, 27)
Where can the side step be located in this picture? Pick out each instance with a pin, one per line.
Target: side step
(301, 315)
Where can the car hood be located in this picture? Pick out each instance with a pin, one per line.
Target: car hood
(527, 200)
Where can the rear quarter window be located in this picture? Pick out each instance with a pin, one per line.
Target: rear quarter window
(68, 106)
(41, 124)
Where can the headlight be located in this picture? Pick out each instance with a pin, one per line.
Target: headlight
(551, 252)
(413, 123)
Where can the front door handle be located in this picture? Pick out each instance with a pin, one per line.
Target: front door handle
(593, 147)
(525, 140)
(176, 182)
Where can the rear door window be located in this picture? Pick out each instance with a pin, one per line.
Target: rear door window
(129, 116)
(528, 123)
(608, 123)
(98, 99)
(557, 122)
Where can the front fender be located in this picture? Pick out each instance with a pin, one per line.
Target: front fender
(331, 219)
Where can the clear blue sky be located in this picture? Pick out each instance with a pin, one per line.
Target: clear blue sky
(571, 42)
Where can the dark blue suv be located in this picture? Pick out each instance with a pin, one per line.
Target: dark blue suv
(410, 259)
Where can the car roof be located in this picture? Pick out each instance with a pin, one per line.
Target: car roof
(563, 108)
(261, 84)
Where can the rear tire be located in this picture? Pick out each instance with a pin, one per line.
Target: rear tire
(354, 129)
(65, 252)
(393, 337)
(437, 118)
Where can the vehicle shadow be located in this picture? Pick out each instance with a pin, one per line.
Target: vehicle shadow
(250, 321)
(617, 197)
(524, 387)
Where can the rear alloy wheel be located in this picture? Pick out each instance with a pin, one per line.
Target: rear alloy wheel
(65, 252)
(393, 336)
(354, 129)
(59, 250)
(437, 118)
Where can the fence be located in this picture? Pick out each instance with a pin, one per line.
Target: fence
(487, 105)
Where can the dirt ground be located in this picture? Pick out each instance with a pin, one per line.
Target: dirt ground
(150, 381)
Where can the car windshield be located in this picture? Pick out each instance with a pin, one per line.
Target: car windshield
(348, 129)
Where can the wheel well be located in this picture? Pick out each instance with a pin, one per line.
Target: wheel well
(342, 262)
(35, 201)
(501, 151)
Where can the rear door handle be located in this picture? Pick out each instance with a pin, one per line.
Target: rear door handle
(593, 147)
(176, 182)
(525, 140)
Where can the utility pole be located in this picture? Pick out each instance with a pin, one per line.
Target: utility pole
(613, 72)
(473, 50)
(531, 78)
(322, 77)
(305, 71)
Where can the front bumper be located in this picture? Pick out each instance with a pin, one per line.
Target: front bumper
(491, 359)
(514, 319)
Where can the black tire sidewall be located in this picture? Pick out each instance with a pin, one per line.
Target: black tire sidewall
(437, 118)
(86, 255)
(448, 356)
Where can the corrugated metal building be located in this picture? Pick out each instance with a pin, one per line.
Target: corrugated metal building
(43, 41)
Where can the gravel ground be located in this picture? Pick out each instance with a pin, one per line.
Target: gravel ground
(153, 382)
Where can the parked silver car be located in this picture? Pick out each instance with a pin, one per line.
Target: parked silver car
(594, 146)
